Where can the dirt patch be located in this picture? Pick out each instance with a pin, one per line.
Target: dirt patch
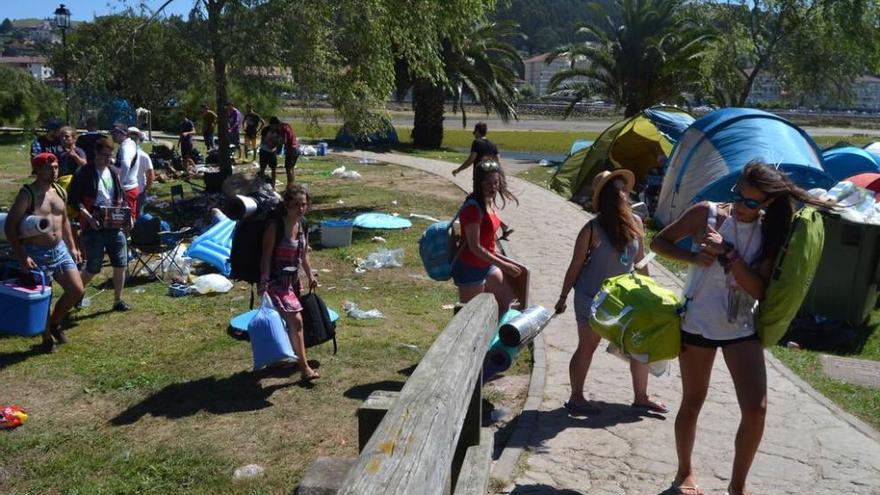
(417, 182)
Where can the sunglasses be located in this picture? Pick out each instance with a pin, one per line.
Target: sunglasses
(752, 204)
(489, 165)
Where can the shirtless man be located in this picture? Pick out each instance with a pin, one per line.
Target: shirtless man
(47, 252)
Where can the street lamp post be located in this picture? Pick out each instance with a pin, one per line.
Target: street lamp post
(62, 22)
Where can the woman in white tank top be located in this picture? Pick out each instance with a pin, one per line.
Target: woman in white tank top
(736, 246)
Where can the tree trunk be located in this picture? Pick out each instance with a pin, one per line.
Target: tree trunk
(215, 9)
(428, 100)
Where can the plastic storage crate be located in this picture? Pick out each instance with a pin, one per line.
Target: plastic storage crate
(24, 309)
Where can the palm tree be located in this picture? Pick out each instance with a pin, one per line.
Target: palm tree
(641, 53)
(479, 65)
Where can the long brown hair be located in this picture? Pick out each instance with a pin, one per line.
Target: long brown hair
(782, 193)
(481, 171)
(616, 218)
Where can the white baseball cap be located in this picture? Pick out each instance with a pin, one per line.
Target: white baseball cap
(135, 130)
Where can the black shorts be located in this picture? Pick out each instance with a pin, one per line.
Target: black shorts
(268, 158)
(695, 340)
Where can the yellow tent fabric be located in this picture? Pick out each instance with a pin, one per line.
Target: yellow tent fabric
(633, 143)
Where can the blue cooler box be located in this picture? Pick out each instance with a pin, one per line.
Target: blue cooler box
(24, 309)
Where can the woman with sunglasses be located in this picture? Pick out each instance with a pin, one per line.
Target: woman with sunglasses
(609, 245)
(478, 267)
(285, 251)
(735, 247)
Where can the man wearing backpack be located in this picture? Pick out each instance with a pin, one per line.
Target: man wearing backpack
(53, 252)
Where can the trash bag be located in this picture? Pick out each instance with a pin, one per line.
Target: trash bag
(212, 282)
(383, 258)
(352, 310)
(269, 340)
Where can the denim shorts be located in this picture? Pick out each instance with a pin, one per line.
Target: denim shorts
(52, 259)
(465, 275)
(111, 241)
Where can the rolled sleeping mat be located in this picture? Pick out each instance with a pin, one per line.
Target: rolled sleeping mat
(240, 207)
(499, 357)
(524, 327)
(30, 226)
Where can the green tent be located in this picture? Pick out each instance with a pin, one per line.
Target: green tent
(635, 143)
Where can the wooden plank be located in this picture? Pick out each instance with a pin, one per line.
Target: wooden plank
(475, 471)
(411, 451)
(371, 412)
(854, 371)
(324, 476)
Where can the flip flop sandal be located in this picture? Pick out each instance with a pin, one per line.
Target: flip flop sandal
(679, 489)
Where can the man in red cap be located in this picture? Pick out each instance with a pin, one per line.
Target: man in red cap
(54, 251)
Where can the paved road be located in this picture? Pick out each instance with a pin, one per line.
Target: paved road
(599, 125)
(808, 447)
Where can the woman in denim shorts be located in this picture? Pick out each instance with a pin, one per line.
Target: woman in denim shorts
(479, 267)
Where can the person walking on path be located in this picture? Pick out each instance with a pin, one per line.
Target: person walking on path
(481, 149)
(479, 267)
(285, 251)
(729, 273)
(55, 252)
(209, 124)
(93, 188)
(608, 245)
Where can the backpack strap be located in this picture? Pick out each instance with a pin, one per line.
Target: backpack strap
(32, 196)
(472, 201)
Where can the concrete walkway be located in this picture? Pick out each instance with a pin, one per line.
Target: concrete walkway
(809, 447)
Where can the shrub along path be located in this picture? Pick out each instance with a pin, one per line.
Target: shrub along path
(809, 446)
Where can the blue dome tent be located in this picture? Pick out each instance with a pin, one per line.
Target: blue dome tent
(708, 158)
(847, 161)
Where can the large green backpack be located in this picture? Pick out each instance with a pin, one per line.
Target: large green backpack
(793, 273)
(639, 317)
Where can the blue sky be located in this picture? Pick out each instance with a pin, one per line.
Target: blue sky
(84, 10)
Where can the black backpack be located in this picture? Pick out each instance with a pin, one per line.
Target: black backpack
(317, 326)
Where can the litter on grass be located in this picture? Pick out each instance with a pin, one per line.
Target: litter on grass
(352, 310)
(212, 282)
(383, 258)
(345, 174)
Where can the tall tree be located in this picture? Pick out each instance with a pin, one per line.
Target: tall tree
(479, 64)
(644, 52)
(810, 46)
(25, 100)
(6, 26)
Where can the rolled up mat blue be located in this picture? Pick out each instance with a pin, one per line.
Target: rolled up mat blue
(499, 357)
(525, 326)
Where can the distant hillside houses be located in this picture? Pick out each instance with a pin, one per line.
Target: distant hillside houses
(864, 95)
(35, 66)
(538, 72)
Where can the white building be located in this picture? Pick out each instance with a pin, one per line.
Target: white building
(538, 72)
(42, 32)
(35, 66)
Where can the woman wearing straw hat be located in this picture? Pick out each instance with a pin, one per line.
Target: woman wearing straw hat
(608, 245)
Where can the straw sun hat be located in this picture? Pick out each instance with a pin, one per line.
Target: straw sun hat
(605, 177)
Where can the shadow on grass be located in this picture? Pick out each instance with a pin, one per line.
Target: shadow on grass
(361, 392)
(8, 359)
(237, 393)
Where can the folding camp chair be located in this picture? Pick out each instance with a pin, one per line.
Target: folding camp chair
(156, 249)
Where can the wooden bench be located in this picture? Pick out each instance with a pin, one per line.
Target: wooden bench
(427, 438)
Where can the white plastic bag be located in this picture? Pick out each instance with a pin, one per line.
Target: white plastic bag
(352, 310)
(383, 258)
(212, 282)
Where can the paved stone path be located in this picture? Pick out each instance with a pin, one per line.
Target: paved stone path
(808, 447)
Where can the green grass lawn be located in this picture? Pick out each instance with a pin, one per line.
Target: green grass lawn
(161, 400)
